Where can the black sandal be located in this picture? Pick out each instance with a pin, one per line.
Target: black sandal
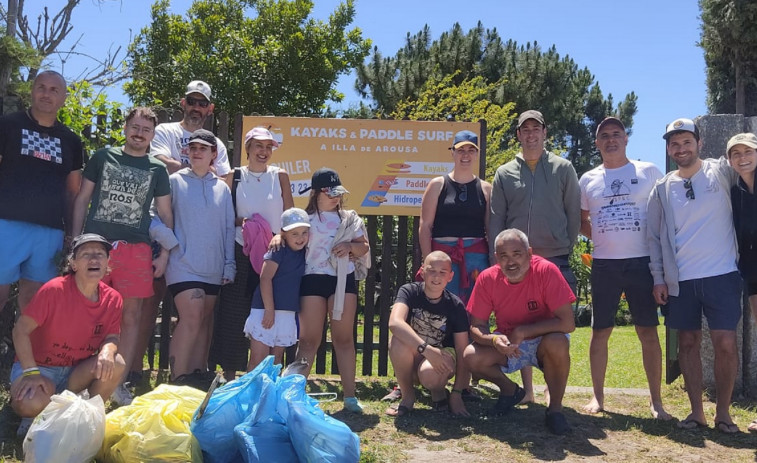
(441, 405)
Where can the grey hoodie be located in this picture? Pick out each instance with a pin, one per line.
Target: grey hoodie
(204, 227)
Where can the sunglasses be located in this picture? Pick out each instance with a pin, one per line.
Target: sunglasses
(463, 195)
(197, 102)
(689, 189)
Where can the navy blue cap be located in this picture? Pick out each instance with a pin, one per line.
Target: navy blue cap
(465, 137)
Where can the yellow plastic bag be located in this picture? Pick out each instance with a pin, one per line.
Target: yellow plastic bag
(155, 427)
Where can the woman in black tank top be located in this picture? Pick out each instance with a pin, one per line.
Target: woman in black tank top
(454, 216)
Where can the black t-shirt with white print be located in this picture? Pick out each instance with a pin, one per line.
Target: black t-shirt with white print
(434, 322)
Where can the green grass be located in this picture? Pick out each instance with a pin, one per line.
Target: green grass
(623, 433)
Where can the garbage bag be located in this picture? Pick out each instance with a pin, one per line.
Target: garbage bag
(69, 429)
(316, 437)
(229, 406)
(266, 442)
(263, 436)
(155, 427)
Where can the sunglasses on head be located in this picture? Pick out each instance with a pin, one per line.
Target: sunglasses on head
(197, 102)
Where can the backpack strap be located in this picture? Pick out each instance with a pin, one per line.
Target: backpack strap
(236, 179)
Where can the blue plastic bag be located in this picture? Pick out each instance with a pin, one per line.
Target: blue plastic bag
(316, 437)
(228, 407)
(266, 442)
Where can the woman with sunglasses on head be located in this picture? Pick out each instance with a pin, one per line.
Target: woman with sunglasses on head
(261, 193)
(337, 255)
(454, 214)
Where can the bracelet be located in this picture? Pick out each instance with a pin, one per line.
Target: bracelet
(494, 341)
(457, 391)
(30, 371)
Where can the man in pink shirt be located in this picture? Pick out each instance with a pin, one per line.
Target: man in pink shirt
(531, 302)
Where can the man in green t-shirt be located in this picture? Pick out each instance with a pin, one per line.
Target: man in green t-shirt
(121, 184)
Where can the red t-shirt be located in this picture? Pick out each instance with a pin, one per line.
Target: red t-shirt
(514, 304)
(70, 327)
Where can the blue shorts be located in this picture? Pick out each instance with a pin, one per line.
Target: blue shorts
(718, 298)
(28, 251)
(58, 375)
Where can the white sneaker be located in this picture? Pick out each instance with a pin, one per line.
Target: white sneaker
(121, 396)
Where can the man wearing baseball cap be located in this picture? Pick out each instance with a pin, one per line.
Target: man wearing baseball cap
(693, 254)
(537, 193)
(613, 215)
(171, 142)
(742, 155)
(171, 145)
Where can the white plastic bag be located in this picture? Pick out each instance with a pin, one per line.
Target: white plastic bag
(70, 429)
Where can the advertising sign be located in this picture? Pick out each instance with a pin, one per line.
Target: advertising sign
(385, 165)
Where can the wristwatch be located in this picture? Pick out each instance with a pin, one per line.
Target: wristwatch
(422, 347)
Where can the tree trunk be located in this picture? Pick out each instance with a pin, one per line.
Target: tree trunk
(740, 86)
(10, 31)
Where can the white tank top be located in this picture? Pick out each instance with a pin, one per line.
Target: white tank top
(260, 194)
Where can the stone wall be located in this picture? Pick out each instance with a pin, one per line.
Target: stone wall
(715, 131)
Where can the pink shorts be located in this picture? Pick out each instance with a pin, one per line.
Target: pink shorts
(130, 269)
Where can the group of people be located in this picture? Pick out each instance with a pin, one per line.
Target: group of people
(165, 211)
(247, 270)
(652, 242)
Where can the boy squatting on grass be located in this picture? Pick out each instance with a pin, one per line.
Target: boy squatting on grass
(429, 328)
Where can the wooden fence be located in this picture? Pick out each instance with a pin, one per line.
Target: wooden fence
(395, 255)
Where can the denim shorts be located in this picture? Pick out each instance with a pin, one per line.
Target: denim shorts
(58, 375)
(718, 298)
(28, 251)
(528, 349)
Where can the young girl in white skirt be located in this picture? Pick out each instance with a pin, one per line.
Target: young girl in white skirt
(272, 325)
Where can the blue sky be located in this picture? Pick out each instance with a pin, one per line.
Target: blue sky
(645, 46)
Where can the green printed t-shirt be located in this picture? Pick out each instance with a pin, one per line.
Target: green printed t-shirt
(124, 189)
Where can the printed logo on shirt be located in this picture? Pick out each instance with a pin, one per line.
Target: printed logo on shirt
(533, 306)
(123, 191)
(616, 188)
(41, 146)
(429, 326)
(98, 329)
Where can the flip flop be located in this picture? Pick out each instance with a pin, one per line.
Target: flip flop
(727, 428)
(690, 423)
(395, 394)
(752, 426)
(398, 410)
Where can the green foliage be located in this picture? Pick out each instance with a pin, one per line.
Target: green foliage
(729, 40)
(279, 61)
(527, 75)
(581, 270)
(88, 113)
(468, 100)
(15, 55)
